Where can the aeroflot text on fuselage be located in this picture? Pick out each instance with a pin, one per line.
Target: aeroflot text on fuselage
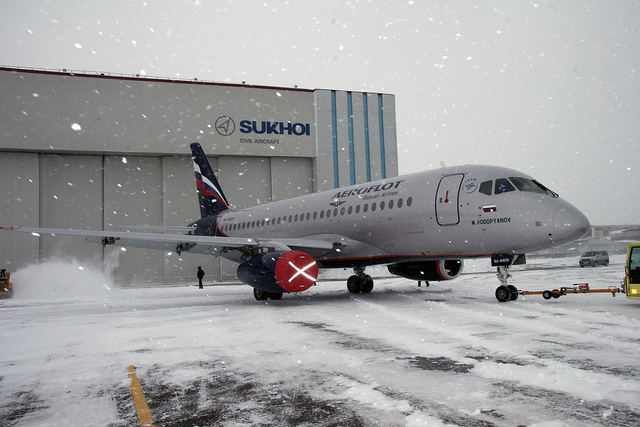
(275, 128)
(370, 189)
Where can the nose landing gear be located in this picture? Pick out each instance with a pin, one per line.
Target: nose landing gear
(505, 292)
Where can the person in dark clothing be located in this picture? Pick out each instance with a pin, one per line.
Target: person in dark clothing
(200, 276)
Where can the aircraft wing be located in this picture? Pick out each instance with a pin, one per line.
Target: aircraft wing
(208, 245)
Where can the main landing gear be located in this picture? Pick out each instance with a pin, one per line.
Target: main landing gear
(360, 282)
(261, 295)
(505, 292)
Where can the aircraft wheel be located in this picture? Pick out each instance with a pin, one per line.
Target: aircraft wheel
(275, 295)
(547, 294)
(354, 284)
(503, 294)
(514, 292)
(367, 285)
(260, 295)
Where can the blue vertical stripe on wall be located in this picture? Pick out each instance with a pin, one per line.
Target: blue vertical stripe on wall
(367, 153)
(334, 126)
(383, 154)
(352, 144)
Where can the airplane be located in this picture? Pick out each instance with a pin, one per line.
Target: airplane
(422, 226)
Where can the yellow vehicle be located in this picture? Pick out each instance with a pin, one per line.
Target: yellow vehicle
(6, 287)
(632, 272)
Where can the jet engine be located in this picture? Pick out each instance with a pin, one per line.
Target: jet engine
(428, 270)
(279, 272)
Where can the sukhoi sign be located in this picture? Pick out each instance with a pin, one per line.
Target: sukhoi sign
(275, 128)
(225, 126)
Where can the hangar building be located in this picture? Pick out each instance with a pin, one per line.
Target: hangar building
(99, 151)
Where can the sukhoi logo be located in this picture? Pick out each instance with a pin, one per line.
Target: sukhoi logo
(275, 128)
(225, 125)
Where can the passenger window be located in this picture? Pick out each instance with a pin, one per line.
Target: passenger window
(391, 204)
(399, 203)
(485, 187)
(503, 186)
(409, 201)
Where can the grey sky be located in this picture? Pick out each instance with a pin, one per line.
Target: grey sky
(548, 88)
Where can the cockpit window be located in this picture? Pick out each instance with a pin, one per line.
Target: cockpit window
(533, 186)
(485, 187)
(524, 184)
(503, 185)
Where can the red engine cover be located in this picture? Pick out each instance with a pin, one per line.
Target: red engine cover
(296, 271)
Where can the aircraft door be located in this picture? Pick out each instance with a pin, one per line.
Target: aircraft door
(447, 204)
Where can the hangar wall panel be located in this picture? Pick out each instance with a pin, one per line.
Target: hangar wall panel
(246, 181)
(387, 105)
(359, 140)
(19, 195)
(342, 148)
(323, 165)
(71, 197)
(133, 196)
(291, 177)
(373, 115)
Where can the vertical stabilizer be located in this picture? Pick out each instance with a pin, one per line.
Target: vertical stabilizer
(212, 199)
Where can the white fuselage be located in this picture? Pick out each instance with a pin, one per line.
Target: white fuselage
(440, 214)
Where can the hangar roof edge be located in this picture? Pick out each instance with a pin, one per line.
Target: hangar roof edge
(138, 77)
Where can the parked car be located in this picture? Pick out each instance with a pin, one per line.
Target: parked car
(594, 258)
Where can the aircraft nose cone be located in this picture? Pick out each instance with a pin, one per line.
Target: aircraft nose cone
(569, 224)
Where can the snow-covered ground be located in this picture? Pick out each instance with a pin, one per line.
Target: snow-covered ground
(449, 354)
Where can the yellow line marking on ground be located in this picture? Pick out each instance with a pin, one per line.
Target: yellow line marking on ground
(144, 415)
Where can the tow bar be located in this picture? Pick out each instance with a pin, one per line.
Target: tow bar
(577, 288)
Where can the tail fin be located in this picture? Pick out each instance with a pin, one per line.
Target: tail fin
(212, 199)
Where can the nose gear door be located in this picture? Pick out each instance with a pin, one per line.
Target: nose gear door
(447, 204)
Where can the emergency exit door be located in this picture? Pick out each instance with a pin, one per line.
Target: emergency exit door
(447, 204)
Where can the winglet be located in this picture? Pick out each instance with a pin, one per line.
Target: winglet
(210, 195)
